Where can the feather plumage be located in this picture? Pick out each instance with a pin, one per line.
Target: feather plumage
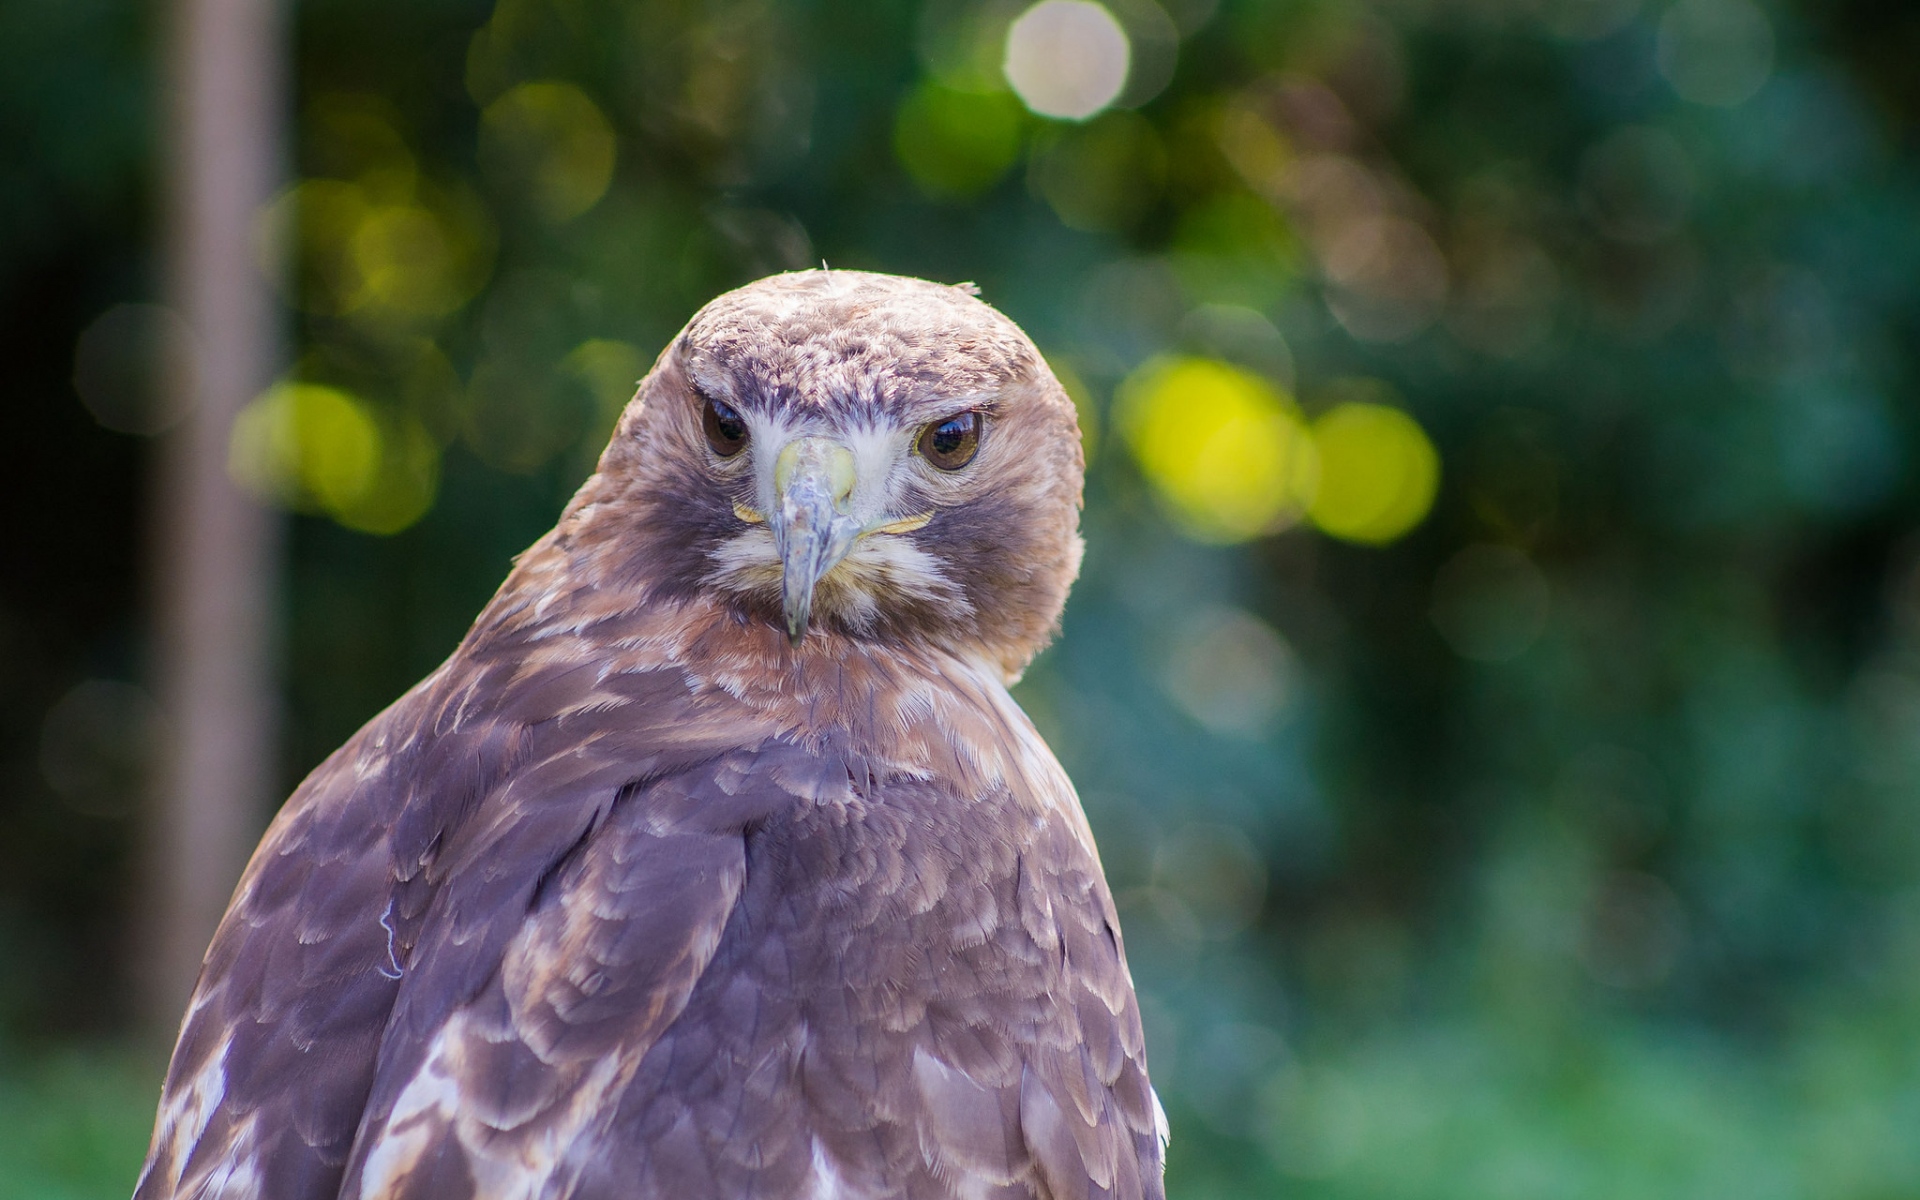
(633, 899)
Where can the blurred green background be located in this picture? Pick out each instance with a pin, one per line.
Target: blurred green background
(1495, 681)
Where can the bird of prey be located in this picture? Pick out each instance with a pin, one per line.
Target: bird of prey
(717, 860)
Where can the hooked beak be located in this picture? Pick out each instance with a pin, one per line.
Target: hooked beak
(812, 479)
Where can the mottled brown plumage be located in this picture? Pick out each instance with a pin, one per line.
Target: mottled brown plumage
(639, 896)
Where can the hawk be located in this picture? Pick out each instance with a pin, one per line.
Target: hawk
(717, 860)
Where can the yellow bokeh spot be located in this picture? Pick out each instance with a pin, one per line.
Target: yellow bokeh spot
(1225, 449)
(550, 142)
(405, 262)
(306, 445)
(319, 449)
(356, 136)
(1378, 473)
(315, 221)
(610, 371)
(379, 261)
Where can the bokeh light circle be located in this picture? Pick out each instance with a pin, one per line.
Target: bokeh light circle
(1715, 52)
(132, 367)
(550, 142)
(1490, 603)
(956, 144)
(1225, 449)
(1067, 58)
(1378, 473)
(321, 449)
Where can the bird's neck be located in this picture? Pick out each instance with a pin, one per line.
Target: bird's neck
(860, 693)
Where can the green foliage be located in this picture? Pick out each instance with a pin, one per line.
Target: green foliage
(74, 1126)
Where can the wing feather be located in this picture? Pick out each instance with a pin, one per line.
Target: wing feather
(288, 992)
(423, 839)
(511, 1048)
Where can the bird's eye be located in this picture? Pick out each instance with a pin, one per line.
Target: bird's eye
(952, 443)
(726, 429)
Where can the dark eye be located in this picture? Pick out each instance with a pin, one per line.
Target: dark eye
(726, 429)
(952, 443)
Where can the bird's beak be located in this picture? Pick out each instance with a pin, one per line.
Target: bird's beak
(812, 479)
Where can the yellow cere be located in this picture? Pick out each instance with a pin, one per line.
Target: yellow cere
(1226, 449)
(1378, 473)
(904, 524)
(320, 449)
(821, 456)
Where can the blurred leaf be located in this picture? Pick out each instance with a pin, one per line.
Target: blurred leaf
(956, 144)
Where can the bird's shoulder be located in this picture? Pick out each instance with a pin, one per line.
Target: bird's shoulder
(485, 773)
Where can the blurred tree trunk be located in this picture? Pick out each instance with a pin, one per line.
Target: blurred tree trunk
(215, 549)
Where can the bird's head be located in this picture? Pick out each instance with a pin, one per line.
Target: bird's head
(838, 454)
